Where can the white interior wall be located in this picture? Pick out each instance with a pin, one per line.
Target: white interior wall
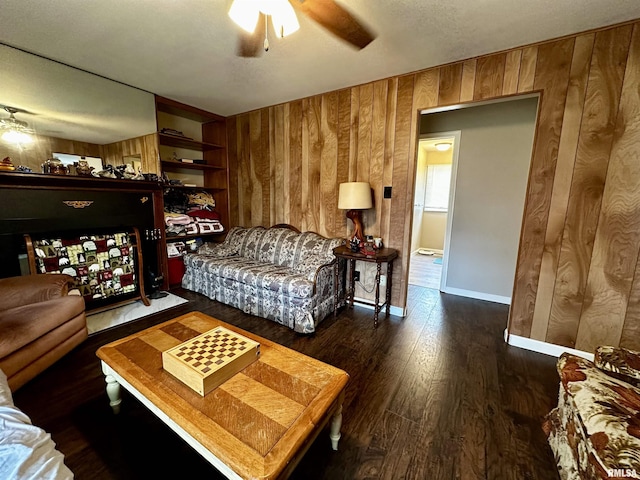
(493, 168)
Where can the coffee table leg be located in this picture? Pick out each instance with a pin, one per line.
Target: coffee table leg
(113, 389)
(336, 423)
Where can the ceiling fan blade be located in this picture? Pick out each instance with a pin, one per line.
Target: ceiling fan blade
(336, 19)
(252, 44)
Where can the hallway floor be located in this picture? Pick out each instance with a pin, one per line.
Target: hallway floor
(423, 272)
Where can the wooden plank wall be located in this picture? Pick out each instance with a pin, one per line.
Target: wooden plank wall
(146, 146)
(34, 155)
(577, 282)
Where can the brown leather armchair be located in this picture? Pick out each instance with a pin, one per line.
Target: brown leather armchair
(40, 322)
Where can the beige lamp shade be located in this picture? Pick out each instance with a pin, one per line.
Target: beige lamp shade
(354, 196)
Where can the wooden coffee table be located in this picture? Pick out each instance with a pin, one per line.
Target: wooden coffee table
(258, 424)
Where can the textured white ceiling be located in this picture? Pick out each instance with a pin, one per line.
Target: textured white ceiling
(185, 49)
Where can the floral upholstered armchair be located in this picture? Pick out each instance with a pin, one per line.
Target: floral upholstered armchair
(594, 431)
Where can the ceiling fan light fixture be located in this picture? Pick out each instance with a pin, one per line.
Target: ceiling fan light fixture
(284, 19)
(15, 131)
(16, 137)
(245, 14)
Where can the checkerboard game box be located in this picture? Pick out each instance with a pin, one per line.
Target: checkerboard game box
(210, 359)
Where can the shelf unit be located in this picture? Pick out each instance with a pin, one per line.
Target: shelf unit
(205, 140)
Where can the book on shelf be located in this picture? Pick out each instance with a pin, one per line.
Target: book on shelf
(192, 160)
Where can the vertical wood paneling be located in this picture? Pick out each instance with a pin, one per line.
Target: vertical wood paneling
(305, 165)
(279, 192)
(511, 72)
(256, 165)
(615, 249)
(316, 140)
(354, 135)
(489, 76)
(268, 137)
(389, 149)
(43, 147)
(364, 132)
(286, 161)
(594, 148)
(629, 128)
(399, 207)
(552, 76)
(295, 163)
(627, 147)
(562, 183)
(328, 167)
(527, 69)
(376, 167)
(450, 84)
(232, 156)
(344, 142)
(291, 158)
(425, 92)
(468, 83)
(245, 188)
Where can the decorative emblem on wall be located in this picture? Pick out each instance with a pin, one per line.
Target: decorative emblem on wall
(144, 199)
(77, 203)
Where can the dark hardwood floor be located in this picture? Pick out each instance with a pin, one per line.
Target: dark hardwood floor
(436, 395)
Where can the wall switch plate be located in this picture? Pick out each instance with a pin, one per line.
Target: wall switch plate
(383, 280)
(387, 192)
(356, 276)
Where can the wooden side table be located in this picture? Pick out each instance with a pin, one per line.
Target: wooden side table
(384, 255)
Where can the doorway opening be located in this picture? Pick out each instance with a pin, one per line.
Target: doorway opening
(436, 157)
(489, 175)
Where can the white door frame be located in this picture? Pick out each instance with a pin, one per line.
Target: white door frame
(456, 134)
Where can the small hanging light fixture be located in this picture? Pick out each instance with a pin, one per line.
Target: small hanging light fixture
(245, 13)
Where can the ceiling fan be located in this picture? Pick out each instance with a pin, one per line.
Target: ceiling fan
(252, 16)
(14, 130)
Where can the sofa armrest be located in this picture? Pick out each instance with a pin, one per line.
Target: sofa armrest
(28, 289)
(314, 269)
(622, 362)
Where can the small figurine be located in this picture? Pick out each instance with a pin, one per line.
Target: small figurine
(354, 245)
(5, 164)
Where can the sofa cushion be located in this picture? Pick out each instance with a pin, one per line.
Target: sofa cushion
(22, 325)
(619, 362)
(250, 245)
(278, 246)
(608, 410)
(256, 274)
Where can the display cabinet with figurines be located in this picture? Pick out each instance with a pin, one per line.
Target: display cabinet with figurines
(105, 266)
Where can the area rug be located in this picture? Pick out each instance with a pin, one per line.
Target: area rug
(438, 261)
(126, 313)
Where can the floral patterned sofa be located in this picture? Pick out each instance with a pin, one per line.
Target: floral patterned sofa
(594, 431)
(276, 273)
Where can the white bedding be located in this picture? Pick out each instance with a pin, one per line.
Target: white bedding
(26, 452)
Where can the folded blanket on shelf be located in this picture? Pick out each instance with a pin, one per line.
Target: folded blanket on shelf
(176, 219)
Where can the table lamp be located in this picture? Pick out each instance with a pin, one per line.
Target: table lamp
(355, 197)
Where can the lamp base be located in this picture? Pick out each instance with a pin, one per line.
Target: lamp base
(356, 218)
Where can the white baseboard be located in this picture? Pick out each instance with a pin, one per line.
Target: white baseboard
(393, 310)
(543, 347)
(477, 295)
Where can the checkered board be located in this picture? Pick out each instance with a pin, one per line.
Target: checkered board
(210, 359)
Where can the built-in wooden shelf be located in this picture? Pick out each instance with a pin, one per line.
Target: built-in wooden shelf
(181, 142)
(180, 238)
(193, 166)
